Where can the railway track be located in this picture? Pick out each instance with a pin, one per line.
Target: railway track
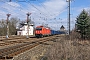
(10, 52)
(14, 40)
(12, 37)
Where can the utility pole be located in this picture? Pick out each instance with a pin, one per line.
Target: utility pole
(68, 16)
(28, 14)
(8, 15)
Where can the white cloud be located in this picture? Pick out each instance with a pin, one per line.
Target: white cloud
(50, 10)
(54, 7)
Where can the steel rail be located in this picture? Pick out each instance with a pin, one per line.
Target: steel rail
(10, 52)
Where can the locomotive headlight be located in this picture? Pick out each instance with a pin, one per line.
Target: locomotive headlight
(36, 31)
(40, 32)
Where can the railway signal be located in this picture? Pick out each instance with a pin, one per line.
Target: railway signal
(28, 14)
(8, 15)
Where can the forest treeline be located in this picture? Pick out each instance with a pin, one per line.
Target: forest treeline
(12, 26)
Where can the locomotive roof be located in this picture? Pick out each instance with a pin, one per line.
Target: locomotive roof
(42, 26)
(26, 24)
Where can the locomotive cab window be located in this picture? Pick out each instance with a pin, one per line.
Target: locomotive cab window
(38, 28)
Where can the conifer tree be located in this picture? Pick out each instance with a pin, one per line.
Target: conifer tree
(83, 24)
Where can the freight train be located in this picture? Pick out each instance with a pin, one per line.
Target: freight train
(42, 31)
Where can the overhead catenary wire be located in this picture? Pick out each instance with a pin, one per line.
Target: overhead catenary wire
(46, 15)
(19, 8)
(38, 9)
(37, 15)
(9, 5)
(43, 7)
(41, 12)
(35, 7)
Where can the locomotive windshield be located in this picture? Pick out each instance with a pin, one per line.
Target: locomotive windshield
(38, 28)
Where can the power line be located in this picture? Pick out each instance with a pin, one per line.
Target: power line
(43, 6)
(32, 5)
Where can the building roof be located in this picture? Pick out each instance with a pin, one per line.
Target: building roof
(26, 24)
(62, 27)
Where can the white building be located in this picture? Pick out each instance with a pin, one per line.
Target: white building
(26, 30)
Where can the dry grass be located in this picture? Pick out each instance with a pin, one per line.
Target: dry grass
(64, 49)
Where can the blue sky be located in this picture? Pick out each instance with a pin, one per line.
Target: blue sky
(51, 12)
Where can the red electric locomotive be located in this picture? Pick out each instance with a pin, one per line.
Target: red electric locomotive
(41, 31)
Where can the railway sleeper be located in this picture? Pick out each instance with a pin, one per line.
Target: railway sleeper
(20, 48)
(9, 50)
(20, 51)
(5, 57)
